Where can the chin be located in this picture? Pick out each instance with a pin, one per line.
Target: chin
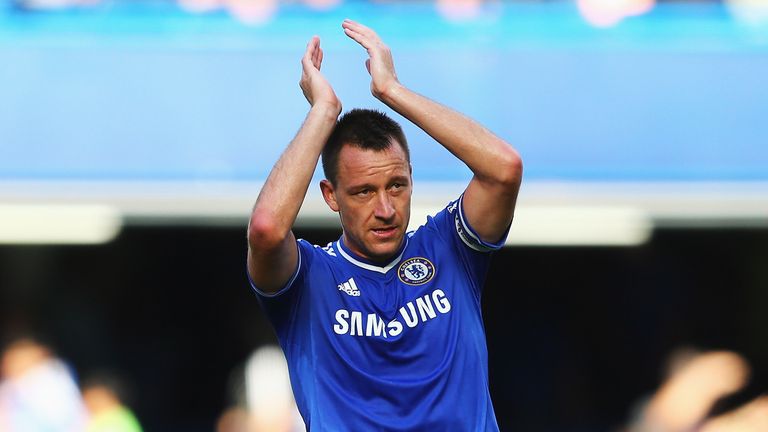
(386, 250)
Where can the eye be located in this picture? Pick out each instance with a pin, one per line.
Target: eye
(363, 192)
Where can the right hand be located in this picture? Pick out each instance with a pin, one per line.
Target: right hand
(313, 84)
(380, 64)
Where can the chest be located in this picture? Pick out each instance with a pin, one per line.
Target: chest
(416, 297)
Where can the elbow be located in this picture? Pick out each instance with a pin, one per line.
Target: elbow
(509, 170)
(265, 232)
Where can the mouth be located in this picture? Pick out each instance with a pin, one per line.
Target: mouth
(385, 233)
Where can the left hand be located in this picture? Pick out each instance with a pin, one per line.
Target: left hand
(313, 84)
(380, 65)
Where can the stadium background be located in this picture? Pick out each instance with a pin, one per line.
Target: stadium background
(134, 137)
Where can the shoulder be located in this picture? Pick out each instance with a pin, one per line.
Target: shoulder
(312, 259)
(439, 224)
(450, 225)
(310, 250)
(320, 258)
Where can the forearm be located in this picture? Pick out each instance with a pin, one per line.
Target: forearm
(283, 192)
(481, 150)
(490, 197)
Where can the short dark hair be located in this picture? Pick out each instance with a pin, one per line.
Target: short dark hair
(363, 128)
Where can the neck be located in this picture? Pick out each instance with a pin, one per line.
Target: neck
(378, 260)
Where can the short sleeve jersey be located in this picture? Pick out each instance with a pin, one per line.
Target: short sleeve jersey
(399, 347)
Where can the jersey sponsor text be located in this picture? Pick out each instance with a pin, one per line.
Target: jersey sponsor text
(421, 310)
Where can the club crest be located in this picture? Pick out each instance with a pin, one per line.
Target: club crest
(416, 271)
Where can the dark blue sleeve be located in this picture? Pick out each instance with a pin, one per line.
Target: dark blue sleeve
(468, 235)
(282, 305)
(474, 253)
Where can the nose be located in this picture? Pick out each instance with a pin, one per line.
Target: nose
(384, 209)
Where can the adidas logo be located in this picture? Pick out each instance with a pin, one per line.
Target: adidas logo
(350, 288)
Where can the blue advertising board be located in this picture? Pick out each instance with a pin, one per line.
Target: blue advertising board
(149, 92)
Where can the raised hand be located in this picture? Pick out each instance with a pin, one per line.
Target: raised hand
(380, 65)
(313, 84)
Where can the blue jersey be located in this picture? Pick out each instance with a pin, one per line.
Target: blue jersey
(399, 347)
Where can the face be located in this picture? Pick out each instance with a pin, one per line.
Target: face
(373, 197)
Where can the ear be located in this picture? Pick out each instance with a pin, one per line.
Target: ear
(329, 195)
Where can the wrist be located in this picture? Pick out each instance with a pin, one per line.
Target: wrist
(390, 93)
(327, 109)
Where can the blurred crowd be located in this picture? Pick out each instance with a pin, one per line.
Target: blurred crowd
(261, 396)
(599, 13)
(39, 393)
(702, 391)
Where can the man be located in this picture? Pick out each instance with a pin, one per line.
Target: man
(382, 329)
